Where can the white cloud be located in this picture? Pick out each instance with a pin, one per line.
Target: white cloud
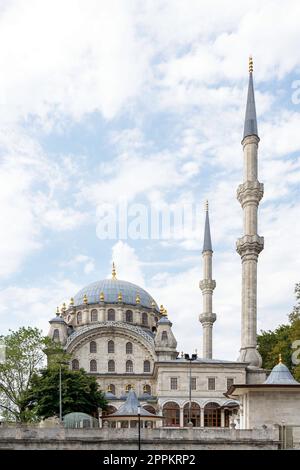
(84, 261)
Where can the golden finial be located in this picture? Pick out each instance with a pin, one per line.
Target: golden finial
(85, 299)
(250, 64)
(280, 359)
(181, 353)
(161, 309)
(57, 311)
(101, 296)
(109, 389)
(120, 298)
(64, 308)
(153, 304)
(113, 271)
(165, 312)
(206, 206)
(71, 302)
(137, 299)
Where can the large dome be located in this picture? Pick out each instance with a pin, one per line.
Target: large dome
(111, 288)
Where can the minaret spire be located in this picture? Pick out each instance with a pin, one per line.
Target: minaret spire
(207, 285)
(250, 126)
(251, 244)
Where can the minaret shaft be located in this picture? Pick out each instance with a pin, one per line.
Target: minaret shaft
(207, 285)
(251, 244)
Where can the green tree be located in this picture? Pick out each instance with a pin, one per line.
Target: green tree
(23, 357)
(80, 392)
(281, 340)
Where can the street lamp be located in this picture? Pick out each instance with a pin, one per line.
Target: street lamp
(61, 363)
(139, 425)
(190, 359)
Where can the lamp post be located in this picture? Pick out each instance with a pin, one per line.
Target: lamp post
(139, 425)
(61, 363)
(190, 359)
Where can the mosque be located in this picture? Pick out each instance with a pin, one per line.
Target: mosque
(116, 331)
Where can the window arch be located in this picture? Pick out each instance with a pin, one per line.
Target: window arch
(155, 319)
(94, 315)
(129, 348)
(111, 315)
(56, 335)
(144, 318)
(129, 366)
(129, 316)
(93, 365)
(193, 416)
(147, 366)
(111, 346)
(164, 336)
(147, 389)
(111, 366)
(171, 413)
(112, 389)
(128, 387)
(79, 318)
(75, 364)
(212, 415)
(93, 347)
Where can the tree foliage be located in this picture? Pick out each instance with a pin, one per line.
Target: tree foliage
(80, 392)
(23, 357)
(281, 341)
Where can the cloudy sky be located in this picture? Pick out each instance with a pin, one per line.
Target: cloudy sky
(103, 102)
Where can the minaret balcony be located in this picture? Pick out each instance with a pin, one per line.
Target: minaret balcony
(250, 192)
(207, 319)
(207, 285)
(250, 246)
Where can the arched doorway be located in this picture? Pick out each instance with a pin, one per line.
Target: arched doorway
(212, 415)
(109, 410)
(171, 413)
(195, 414)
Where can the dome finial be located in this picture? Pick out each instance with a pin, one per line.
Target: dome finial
(101, 297)
(280, 359)
(138, 299)
(113, 272)
(206, 205)
(57, 311)
(250, 64)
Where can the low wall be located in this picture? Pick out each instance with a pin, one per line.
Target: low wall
(34, 438)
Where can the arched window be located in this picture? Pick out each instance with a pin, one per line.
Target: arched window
(111, 316)
(93, 365)
(111, 366)
(129, 366)
(129, 348)
(164, 336)
(75, 364)
(79, 318)
(129, 316)
(94, 315)
(212, 415)
(144, 318)
(192, 415)
(171, 413)
(93, 347)
(155, 319)
(128, 387)
(56, 335)
(112, 389)
(146, 366)
(147, 389)
(110, 346)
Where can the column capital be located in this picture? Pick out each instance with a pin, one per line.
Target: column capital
(207, 319)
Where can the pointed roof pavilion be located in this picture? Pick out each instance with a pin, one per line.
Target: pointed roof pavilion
(128, 411)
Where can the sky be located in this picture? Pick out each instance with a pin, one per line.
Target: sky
(140, 104)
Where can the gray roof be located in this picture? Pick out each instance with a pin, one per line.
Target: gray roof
(250, 127)
(164, 320)
(130, 407)
(57, 319)
(110, 396)
(207, 246)
(279, 375)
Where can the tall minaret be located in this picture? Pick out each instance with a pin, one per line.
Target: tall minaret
(251, 244)
(207, 285)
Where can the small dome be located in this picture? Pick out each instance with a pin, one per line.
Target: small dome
(111, 289)
(57, 319)
(281, 375)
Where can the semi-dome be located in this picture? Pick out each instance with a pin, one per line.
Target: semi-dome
(110, 289)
